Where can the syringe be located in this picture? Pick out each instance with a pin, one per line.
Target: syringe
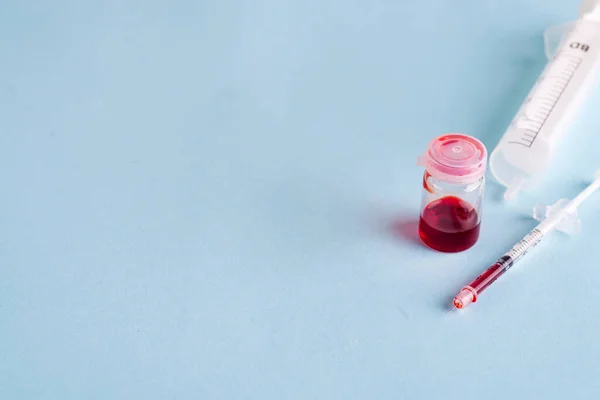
(561, 216)
(526, 148)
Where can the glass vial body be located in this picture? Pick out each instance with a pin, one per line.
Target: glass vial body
(450, 217)
(452, 193)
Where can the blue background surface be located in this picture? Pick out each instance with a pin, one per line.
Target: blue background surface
(218, 200)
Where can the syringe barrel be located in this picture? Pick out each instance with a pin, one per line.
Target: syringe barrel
(504, 263)
(491, 274)
(471, 292)
(527, 146)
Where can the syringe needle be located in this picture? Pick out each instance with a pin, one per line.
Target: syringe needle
(469, 293)
(450, 311)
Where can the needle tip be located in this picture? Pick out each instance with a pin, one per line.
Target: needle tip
(450, 311)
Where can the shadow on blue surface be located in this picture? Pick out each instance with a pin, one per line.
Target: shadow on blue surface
(405, 228)
(494, 190)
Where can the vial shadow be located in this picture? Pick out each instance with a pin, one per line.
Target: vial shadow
(406, 229)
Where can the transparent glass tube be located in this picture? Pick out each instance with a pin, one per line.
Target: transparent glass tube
(450, 213)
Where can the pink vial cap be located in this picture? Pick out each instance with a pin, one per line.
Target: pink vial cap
(456, 158)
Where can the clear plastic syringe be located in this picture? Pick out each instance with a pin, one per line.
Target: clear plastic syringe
(527, 147)
(561, 216)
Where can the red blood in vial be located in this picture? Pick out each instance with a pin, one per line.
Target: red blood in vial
(449, 224)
